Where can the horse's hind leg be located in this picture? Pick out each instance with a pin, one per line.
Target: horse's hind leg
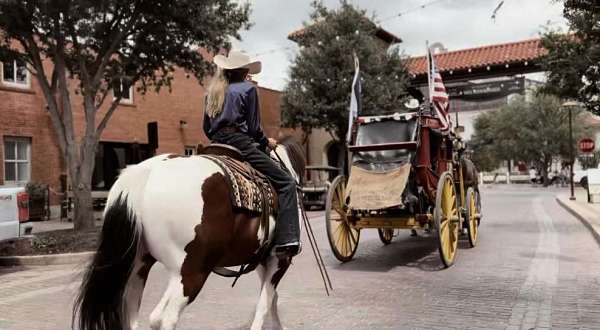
(135, 286)
(176, 297)
(270, 274)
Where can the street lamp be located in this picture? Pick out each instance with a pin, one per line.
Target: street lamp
(570, 105)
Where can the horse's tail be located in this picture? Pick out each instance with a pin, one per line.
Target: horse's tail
(100, 304)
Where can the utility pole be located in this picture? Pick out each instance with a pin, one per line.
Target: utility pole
(571, 154)
(570, 105)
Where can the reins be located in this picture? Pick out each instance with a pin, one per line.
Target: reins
(311, 235)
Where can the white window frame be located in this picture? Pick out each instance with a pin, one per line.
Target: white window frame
(189, 150)
(5, 161)
(128, 100)
(25, 85)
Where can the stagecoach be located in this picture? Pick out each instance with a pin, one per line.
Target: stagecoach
(405, 172)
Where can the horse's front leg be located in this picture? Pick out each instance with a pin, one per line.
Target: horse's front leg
(270, 274)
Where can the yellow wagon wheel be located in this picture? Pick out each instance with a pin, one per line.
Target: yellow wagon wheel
(385, 235)
(447, 219)
(478, 206)
(472, 217)
(343, 237)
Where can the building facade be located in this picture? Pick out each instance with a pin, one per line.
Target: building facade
(30, 153)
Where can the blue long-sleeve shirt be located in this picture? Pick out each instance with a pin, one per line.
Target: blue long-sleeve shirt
(240, 110)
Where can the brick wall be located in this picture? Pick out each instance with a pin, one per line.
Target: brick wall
(23, 114)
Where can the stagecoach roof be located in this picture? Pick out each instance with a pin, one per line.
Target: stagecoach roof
(521, 53)
(395, 116)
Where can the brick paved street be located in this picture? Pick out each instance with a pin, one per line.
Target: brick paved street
(535, 267)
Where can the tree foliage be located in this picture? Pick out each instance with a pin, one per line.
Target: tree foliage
(535, 131)
(318, 93)
(95, 46)
(573, 59)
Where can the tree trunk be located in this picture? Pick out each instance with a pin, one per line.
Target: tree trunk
(81, 181)
(83, 218)
(544, 173)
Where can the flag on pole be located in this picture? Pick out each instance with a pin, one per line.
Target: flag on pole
(355, 98)
(438, 97)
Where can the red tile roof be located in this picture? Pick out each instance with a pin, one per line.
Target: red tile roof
(499, 54)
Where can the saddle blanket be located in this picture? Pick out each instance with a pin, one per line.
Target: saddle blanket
(250, 189)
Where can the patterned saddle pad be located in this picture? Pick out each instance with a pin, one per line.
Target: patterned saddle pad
(250, 189)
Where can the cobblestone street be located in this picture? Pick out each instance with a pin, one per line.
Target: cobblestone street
(535, 267)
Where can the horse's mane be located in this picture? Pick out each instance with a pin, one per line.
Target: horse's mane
(296, 156)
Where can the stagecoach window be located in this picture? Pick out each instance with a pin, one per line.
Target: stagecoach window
(382, 132)
(17, 164)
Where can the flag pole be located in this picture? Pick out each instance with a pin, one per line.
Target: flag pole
(429, 77)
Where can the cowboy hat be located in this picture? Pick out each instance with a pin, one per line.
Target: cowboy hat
(237, 60)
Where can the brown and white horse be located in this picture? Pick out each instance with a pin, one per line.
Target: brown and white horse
(177, 211)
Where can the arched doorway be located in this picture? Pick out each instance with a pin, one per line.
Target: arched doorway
(335, 157)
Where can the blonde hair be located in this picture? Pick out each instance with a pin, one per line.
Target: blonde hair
(216, 94)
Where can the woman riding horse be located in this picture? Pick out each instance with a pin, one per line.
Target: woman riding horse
(232, 117)
(178, 211)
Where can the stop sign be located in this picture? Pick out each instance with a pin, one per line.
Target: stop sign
(587, 145)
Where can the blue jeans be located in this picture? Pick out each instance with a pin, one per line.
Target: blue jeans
(287, 229)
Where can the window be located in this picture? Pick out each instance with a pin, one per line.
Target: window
(17, 164)
(189, 151)
(15, 73)
(126, 92)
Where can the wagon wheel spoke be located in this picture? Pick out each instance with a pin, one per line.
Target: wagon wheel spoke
(337, 215)
(340, 242)
(340, 197)
(337, 230)
(348, 242)
(354, 241)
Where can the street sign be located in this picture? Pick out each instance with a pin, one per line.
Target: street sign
(586, 145)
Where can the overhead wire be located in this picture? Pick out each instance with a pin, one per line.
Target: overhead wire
(402, 13)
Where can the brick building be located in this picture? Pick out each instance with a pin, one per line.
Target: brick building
(29, 151)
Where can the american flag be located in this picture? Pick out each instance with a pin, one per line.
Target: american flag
(438, 96)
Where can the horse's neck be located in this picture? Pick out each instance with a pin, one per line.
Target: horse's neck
(280, 154)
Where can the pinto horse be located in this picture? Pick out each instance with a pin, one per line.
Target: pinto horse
(177, 211)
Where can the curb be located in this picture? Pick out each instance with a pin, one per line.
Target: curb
(44, 260)
(581, 218)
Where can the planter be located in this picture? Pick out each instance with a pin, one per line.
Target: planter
(39, 198)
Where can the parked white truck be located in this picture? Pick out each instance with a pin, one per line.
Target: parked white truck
(13, 210)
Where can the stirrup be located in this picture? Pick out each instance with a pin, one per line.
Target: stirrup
(291, 249)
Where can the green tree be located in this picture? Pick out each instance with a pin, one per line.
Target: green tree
(318, 93)
(535, 131)
(485, 156)
(98, 46)
(573, 59)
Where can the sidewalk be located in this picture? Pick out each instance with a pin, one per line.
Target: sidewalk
(588, 214)
(57, 224)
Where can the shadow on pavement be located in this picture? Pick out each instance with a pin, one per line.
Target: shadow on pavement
(11, 269)
(419, 252)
